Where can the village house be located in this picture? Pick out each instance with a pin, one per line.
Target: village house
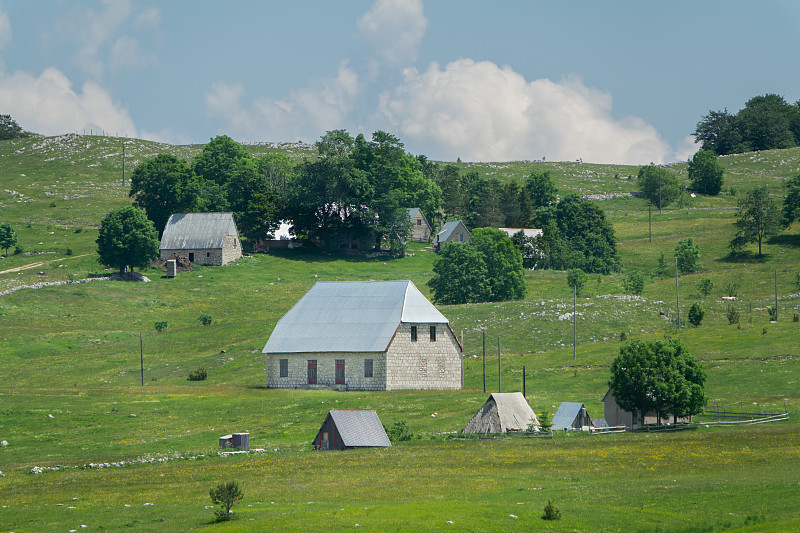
(453, 231)
(617, 416)
(420, 228)
(363, 335)
(204, 238)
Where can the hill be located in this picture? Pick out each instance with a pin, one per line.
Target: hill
(72, 351)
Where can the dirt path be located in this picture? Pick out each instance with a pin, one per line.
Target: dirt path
(40, 263)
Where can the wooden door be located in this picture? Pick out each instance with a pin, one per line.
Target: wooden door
(340, 371)
(312, 371)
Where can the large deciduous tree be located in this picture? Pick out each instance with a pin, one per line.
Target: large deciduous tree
(127, 239)
(757, 217)
(8, 237)
(540, 188)
(220, 159)
(658, 376)
(705, 173)
(687, 254)
(791, 203)
(9, 129)
(165, 185)
(659, 185)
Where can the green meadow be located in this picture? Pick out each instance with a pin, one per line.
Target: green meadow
(72, 392)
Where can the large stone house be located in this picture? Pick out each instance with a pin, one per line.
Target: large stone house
(363, 335)
(420, 228)
(205, 238)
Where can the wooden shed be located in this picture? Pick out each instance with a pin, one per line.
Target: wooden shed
(343, 430)
(503, 412)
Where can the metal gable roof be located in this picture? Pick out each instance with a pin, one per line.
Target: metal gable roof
(566, 414)
(350, 316)
(360, 428)
(197, 231)
(448, 229)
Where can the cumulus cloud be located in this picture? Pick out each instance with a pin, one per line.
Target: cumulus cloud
(393, 30)
(49, 105)
(5, 36)
(480, 111)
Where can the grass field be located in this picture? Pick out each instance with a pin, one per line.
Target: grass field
(70, 358)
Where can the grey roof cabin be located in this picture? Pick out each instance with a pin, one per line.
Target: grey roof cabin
(343, 430)
(503, 412)
(571, 415)
(205, 238)
(363, 335)
(453, 231)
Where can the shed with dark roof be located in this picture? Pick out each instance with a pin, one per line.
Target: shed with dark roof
(571, 415)
(205, 238)
(343, 430)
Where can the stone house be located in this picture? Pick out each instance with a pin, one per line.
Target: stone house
(363, 335)
(617, 416)
(453, 231)
(205, 238)
(420, 228)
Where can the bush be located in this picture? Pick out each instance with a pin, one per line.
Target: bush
(733, 315)
(688, 255)
(160, 325)
(198, 375)
(206, 319)
(773, 314)
(18, 250)
(68, 252)
(662, 264)
(731, 289)
(225, 495)
(696, 314)
(78, 230)
(399, 432)
(705, 286)
(545, 422)
(623, 336)
(796, 317)
(576, 278)
(551, 512)
(634, 283)
(797, 281)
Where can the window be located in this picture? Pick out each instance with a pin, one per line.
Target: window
(419, 222)
(284, 368)
(367, 368)
(414, 333)
(340, 371)
(460, 237)
(312, 371)
(208, 254)
(433, 333)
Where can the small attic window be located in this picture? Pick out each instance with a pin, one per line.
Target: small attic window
(414, 333)
(433, 333)
(419, 222)
(208, 254)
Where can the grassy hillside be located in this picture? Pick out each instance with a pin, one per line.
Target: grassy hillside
(70, 355)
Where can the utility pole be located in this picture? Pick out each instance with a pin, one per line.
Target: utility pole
(484, 358)
(776, 295)
(499, 373)
(677, 297)
(574, 321)
(141, 356)
(650, 219)
(123, 163)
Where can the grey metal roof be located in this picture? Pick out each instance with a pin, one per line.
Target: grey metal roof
(360, 428)
(503, 412)
(350, 316)
(448, 229)
(197, 231)
(566, 414)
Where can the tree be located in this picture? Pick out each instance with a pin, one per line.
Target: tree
(9, 129)
(791, 203)
(256, 203)
(659, 376)
(633, 283)
(696, 314)
(503, 263)
(688, 255)
(705, 286)
(659, 185)
(705, 173)
(766, 122)
(719, 132)
(225, 495)
(8, 237)
(165, 185)
(575, 279)
(757, 217)
(540, 189)
(219, 160)
(127, 239)
(460, 276)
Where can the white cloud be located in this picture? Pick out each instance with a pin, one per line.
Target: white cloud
(479, 111)
(5, 36)
(393, 30)
(49, 105)
(686, 149)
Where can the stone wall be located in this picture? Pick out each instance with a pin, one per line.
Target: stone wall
(423, 364)
(230, 251)
(326, 370)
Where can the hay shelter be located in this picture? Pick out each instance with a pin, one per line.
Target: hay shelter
(503, 412)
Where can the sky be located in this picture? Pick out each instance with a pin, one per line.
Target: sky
(619, 81)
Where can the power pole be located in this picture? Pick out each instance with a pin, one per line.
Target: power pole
(776, 295)
(574, 321)
(123, 163)
(141, 356)
(484, 358)
(499, 373)
(650, 219)
(677, 297)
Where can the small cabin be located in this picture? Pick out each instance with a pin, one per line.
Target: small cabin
(344, 430)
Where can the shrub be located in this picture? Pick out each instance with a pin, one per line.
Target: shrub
(225, 495)
(18, 250)
(796, 317)
(206, 319)
(623, 336)
(797, 281)
(662, 264)
(68, 252)
(551, 512)
(160, 325)
(696, 314)
(576, 278)
(78, 230)
(733, 315)
(773, 313)
(198, 375)
(634, 283)
(688, 255)
(545, 422)
(399, 432)
(731, 289)
(705, 286)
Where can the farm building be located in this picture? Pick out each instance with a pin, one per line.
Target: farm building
(532, 233)
(453, 231)
(343, 430)
(363, 335)
(205, 238)
(503, 412)
(420, 228)
(617, 416)
(571, 415)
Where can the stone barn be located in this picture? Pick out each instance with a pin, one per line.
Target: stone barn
(343, 430)
(205, 238)
(420, 228)
(503, 412)
(363, 335)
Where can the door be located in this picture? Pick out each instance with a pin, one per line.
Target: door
(191, 257)
(340, 371)
(312, 371)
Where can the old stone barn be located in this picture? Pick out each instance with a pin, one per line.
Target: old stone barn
(363, 335)
(205, 238)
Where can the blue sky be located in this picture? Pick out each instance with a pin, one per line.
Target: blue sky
(615, 81)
